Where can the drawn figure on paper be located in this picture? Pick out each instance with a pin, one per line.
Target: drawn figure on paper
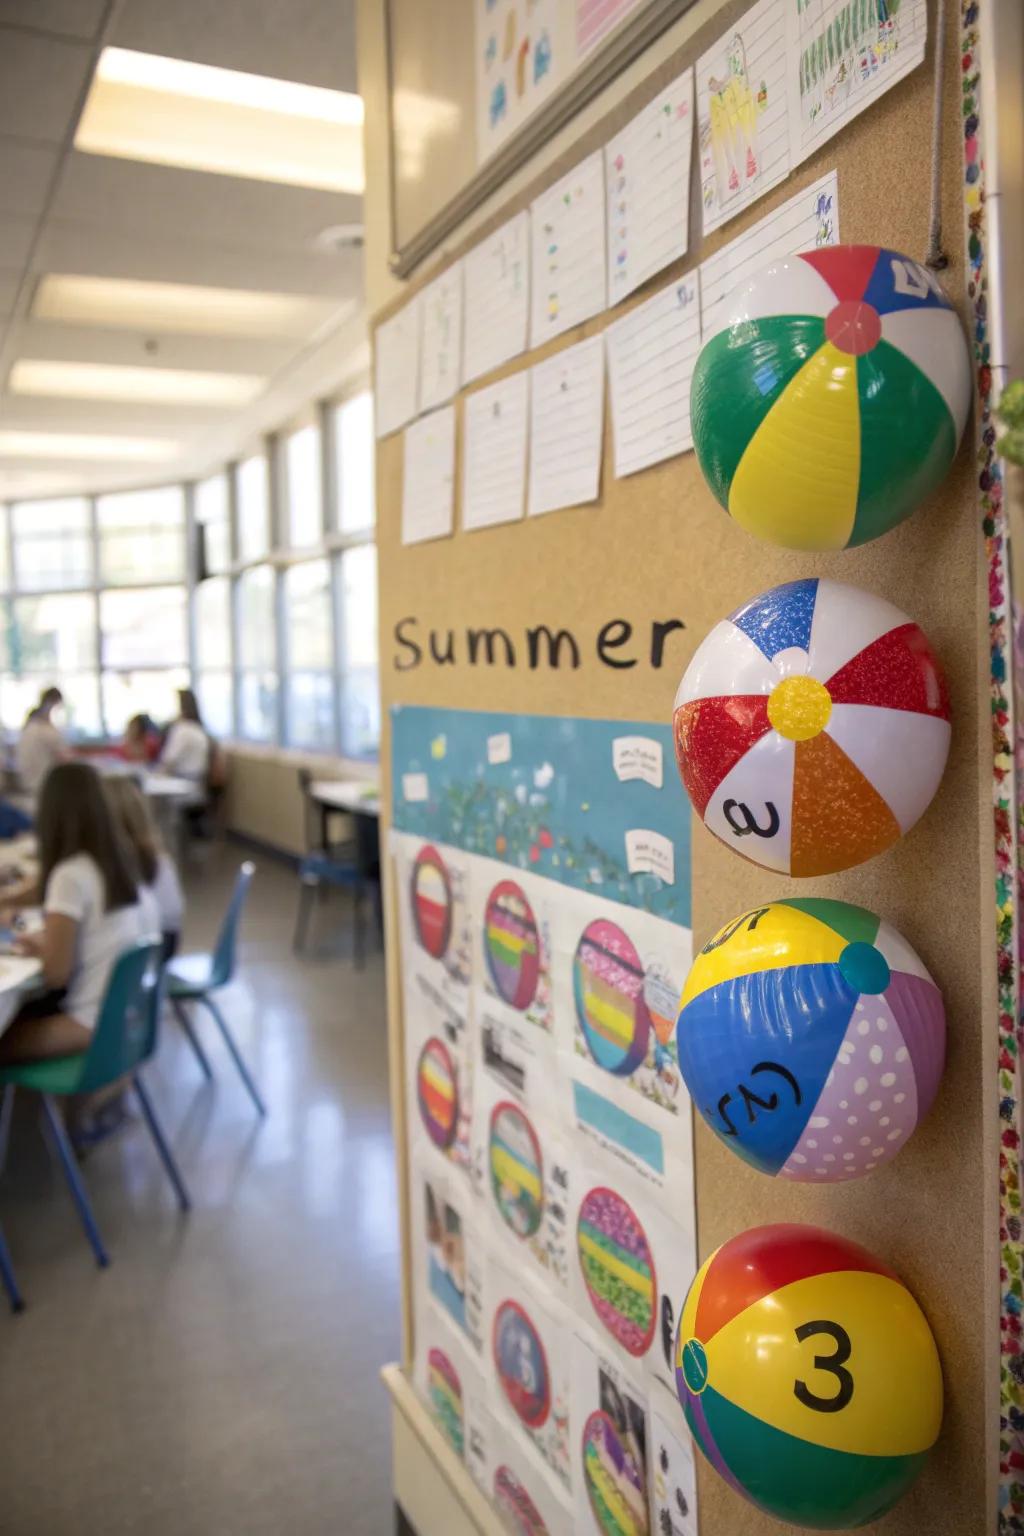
(510, 37)
(846, 55)
(499, 103)
(733, 110)
(541, 57)
(522, 66)
(490, 51)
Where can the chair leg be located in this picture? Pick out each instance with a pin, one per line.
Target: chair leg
(74, 1178)
(160, 1142)
(229, 1041)
(6, 1111)
(191, 1036)
(359, 925)
(9, 1279)
(306, 891)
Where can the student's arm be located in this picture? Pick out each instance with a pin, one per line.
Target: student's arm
(54, 946)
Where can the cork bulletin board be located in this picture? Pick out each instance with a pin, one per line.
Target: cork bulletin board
(657, 547)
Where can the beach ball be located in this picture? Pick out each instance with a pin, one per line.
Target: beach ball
(511, 944)
(517, 1181)
(608, 987)
(519, 1514)
(613, 1475)
(812, 1039)
(808, 1375)
(445, 1392)
(832, 402)
(521, 1364)
(431, 901)
(812, 727)
(618, 1269)
(437, 1092)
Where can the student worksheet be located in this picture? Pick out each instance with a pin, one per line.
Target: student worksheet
(428, 486)
(647, 187)
(568, 245)
(441, 338)
(566, 420)
(397, 369)
(651, 354)
(497, 298)
(494, 453)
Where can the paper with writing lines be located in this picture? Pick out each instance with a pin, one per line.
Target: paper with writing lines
(441, 338)
(568, 246)
(495, 425)
(497, 298)
(397, 369)
(651, 354)
(428, 486)
(647, 186)
(566, 425)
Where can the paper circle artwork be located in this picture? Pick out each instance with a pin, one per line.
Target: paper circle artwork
(437, 1092)
(812, 1039)
(521, 1364)
(613, 1479)
(445, 1391)
(431, 901)
(812, 727)
(809, 1376)
(511, 944)
(618, 1269)
(517, 1510)
(832, 402)
(608, 985)
(516, 1167)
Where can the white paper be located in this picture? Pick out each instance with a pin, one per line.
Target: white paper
(497, 298)
(805, 222)
(673, 1475)
(568, 243)
(522, 1490)
(638, 757)
(441, 338)
(650, 853)
(448, 1243)
(494, 453)
(529, 1345)
(608, 1408)
(830, 85)
(523, 51)
(397, 369)
(651, 356)
(428, 486)
(449, 1379)
(743, 112)
(415, 787)
(499, 748)
(647, 185)
(566, 427)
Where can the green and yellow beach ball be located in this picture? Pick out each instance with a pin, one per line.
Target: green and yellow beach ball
(832, 403)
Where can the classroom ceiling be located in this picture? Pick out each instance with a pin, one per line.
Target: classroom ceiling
(66, 212)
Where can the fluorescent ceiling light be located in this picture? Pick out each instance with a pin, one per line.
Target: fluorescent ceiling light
(143, 106)
(130, 304)
(145, 386)
(83, 445)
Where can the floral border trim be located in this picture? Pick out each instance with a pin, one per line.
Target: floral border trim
(1009, 871)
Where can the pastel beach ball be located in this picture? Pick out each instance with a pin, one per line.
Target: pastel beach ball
(809, 1376)
(833, 401)
(812, 1039)
(812, 727)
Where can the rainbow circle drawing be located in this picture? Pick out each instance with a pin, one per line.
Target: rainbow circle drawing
(431, 901)
(613, 1480)
(437, 1092)
(521, 1364)
(519, 1514)
(511, 944)
(445, 1391)
(608, 986)
(618, 1269)
(516, 1168)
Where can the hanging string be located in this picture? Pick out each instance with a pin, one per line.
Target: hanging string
(936, 257)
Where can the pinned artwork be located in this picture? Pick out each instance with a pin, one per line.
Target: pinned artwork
(812, 1039)
(608, 985)
(516, 1167)
(832, 401)
(812, 727)
(809, 1376)
(618, 1269)
(614, 1479)
(432, 902)
(437, 1092)
(512, 947)
(521, 1364)
(444, 1390)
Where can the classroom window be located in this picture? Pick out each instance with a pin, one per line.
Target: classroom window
(359, 702)
(308, 629)
(52, 544)
(144, 653)
(51, 639)
(252, 486)
(354, 447)
(142, 536)
(302, 484)
(257, 654)
(213, 525)
(213, 654)
(81, 701)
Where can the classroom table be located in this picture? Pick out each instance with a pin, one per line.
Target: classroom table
(19, 974)
(360, 797)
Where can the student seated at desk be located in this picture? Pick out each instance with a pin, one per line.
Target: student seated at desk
(186, 753)
(161, 886)
(141, 742)
(92, 913)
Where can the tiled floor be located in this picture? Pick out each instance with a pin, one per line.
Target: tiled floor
(220, 1379)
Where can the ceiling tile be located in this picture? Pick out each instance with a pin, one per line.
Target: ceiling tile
(56, 341)
(41, 82)
(15, 240)
(10, 281)
(70, 18)
(25, 174)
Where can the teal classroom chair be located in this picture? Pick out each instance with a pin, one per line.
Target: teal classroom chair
(192, 978)
(124, 1038)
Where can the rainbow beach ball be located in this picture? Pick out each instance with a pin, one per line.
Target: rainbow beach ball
(812, 727)
(832, 403)
(809, 1376)
(812, 1039)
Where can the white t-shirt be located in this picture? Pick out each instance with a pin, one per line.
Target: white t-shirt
(167, 895)
(75, 889)
(40, 746)
(186, 751)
